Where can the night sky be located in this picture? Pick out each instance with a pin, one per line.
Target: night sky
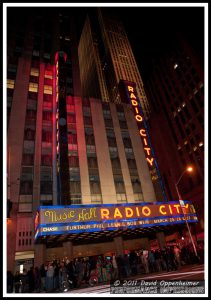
(150, 29)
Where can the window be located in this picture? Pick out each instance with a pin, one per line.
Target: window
(47, 116)
(48, 82)
(10, 92)
(73, 161)
(123, 124)
(119, 108)
(10, 84)
(119, 184)
(32, 104)
(32, 95)
(70, 108)
(107, 114)
(108, 123)
(87, 120)
(47, 136)
(35, 53)
(48, 74)
(28, 147)
(34, 72)
(29, 134)
(75, 187)
(74, 174)
(131, 163)
(26, 187)
(34, 79)
(72, 138)
(46, 187)
(48, 89)
(28, 159)
(95, 187)
(138, 197)
(127, 143)
(27, 173)
(85, 102)
(136, 184)
(33, 87)
(121, 197)
(90, 149)
(30, 114)
(47, 98)
(70, 100)
(46, 174)
(71, 118)
(112, 142)
(47, 105)
(92, 162)
(75, 198)
(46, 160)
(97, 198)
(121, 116)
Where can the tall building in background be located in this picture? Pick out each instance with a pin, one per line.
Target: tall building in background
(105, 60)
(113, 58)
(176, 92)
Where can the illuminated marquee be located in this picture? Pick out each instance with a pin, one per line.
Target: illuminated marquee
(80, 218)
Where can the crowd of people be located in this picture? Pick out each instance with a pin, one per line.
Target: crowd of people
(49, 277)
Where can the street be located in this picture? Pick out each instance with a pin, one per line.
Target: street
(193, 272)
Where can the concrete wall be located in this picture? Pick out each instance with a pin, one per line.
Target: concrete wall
(103, 156)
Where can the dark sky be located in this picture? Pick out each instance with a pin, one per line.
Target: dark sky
(150, 29)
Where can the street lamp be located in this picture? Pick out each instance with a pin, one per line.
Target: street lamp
(188, 169)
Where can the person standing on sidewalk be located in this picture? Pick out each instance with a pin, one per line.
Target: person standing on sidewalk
(115, 271)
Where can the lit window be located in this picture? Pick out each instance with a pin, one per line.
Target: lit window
(195, 148)
(183, 104)
(179, 147)
(46, 55)
(48, 74)
(67, 38)
(179, 109)
(34, 72)
(33, 87)
(174, 113)
(47, 89)
(201, 85)
(10, 84)
(21, 269)
(195, 91)
(36, 53)
(175, 66)
(201, 144)
(185, 142)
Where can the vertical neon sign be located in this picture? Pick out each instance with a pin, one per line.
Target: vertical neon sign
(131, 95)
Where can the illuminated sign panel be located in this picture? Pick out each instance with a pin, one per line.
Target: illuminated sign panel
(93, 217)
(131, 94)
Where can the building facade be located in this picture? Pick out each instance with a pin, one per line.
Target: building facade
(65, 148)
(175, 89)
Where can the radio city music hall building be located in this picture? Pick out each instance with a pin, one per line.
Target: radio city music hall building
(82, 174)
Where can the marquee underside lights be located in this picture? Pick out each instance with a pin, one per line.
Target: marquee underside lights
(84, 218)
